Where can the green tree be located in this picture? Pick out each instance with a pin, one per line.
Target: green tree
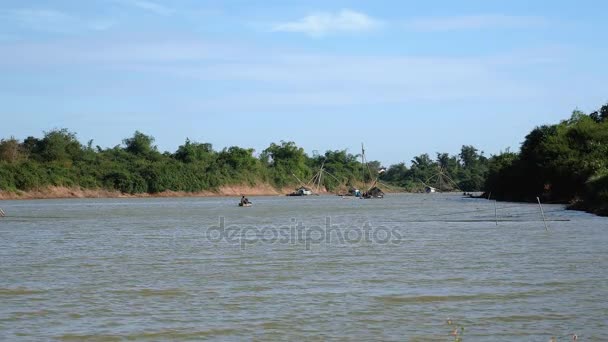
(423, 168)
(557, 162)
(191, 152)
(59, 145)
(140, 144)
(284, 161)
(396, 174)
(10, 150)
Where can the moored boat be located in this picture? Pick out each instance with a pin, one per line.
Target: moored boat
(301, 191)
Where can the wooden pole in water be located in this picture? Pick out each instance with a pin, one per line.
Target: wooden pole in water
(495, 213)
(363, 165)
(542, 213)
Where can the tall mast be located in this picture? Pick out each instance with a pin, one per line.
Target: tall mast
(320, 176)
(362, 163)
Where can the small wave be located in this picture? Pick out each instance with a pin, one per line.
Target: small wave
(92, 338)
(390, 299)
(153, 292)
(174, 334)
(252, 288)
(423, 299)
(18, 291)
(18, 316)
(169, 334)
(271, 325)
(529, 318)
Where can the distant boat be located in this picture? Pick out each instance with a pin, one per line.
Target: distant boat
(374, 192)
(352, 192)
(301, 191)
(306, 189)
(245, 204)
(440, 181)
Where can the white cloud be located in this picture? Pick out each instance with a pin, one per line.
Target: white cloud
(475, 22)
(323, 23)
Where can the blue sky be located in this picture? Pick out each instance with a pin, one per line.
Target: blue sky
(404, 77)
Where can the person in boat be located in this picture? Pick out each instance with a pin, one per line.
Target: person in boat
(244, 200)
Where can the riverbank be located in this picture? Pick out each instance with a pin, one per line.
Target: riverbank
(600, 209)
(77, 192)
(262, 189)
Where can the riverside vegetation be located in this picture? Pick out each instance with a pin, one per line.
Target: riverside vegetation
(136, 166)
(562, 163)
(566, 163)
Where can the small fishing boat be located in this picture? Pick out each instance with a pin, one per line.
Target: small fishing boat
(244, 202)
(374, 192)
(301, 191)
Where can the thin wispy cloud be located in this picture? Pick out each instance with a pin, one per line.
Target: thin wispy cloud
(53, 21)
(39, 19)
(150, 6)
(475, 22)
(101, 25)
(110, 53)
(301, 79)
(324, 23)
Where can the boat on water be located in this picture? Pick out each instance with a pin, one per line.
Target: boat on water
(374, 192)
(245, 202)
(352, 192)
(313, 186)
(301, 191)
(440, 181)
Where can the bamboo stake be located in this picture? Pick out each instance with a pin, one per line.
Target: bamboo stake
(320, 176)
(495, 213)
(542, 213)
(319, 181)
(293, 174)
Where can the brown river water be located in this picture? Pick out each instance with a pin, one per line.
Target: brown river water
(315, 268)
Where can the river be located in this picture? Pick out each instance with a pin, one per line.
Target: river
(322, 268)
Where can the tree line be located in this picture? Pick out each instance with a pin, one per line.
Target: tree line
(565, 162)
(137, 166)
(562, 163)
(463, 172)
